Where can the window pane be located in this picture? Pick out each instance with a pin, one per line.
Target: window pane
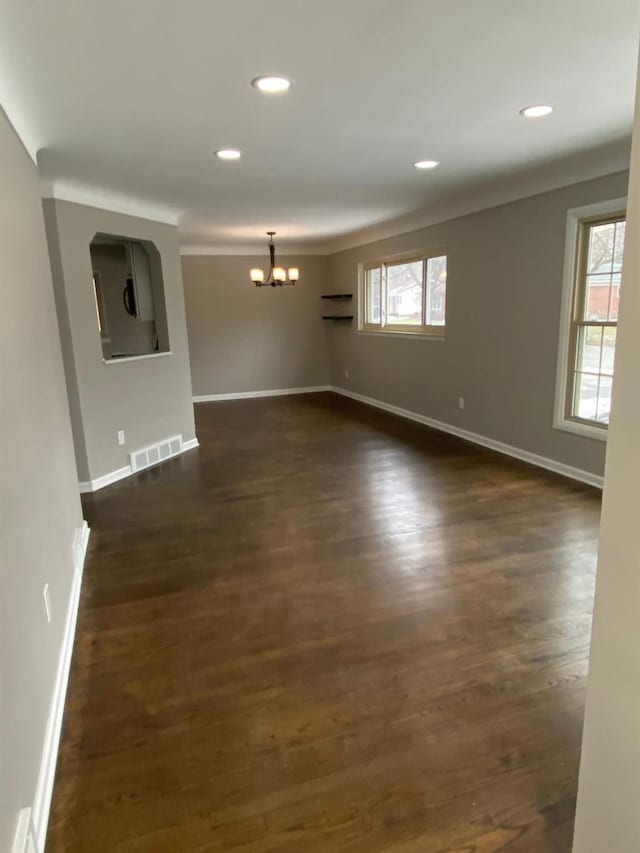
(601, 246)
(435, 303)
(589, 349)
(618, 249)
(594, 360)
(586, 396)
(604, 399)
(373, 278)
(404, 294)
(598, 297)
(606, 247)
(608, 350)
(614, 296)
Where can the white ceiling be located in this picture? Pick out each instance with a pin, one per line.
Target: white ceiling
(130, 98)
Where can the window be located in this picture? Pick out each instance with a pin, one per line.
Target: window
(406, 296)
(590, 318)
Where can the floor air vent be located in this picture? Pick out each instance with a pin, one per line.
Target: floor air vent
(148, 456)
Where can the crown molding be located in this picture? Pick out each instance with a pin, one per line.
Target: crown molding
(253, 250)
(104, 200)
(573, 170)
(594, 163)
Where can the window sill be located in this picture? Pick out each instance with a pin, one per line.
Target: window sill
(415, 336)
(578, 428)
(135, 357)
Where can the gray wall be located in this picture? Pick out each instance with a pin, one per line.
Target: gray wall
(149, 399)
(247, 338)
(505, 268)
(40, 507)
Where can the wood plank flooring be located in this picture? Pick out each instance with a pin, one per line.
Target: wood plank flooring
(328, 629)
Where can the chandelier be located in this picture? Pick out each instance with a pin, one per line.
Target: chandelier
(276, 275)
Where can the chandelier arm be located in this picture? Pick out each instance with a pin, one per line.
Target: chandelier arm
(272, 255)
(269, 279)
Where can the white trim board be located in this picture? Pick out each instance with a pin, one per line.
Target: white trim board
(24, 839)
(490, 443)
(44, 788)
(109, 201)
(105, 480)
(130, 358)
(88, 486)
(247, 395)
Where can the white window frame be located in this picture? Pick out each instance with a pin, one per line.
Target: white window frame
(575, 218)
(436, 333)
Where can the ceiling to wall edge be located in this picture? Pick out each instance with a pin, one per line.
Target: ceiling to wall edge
(524, 188)
(418, 220)
(483, 200)
(105, 200)
(249, 249)
(18, 122)
(473, 203)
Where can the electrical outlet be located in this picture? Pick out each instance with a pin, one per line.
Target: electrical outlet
(461, 402)
(47, 602)
(346, 374)
(121, 437)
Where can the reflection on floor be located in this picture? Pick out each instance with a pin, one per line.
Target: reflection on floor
(328, 629)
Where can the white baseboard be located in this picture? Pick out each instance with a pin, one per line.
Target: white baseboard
(24, 839)
(246, 395)
(105, 480)
(120, 474)
(44, 788)
(499, 446)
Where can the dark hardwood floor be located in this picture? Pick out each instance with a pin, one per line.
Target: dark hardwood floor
(328, 629)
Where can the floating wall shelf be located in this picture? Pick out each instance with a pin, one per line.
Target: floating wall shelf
(338, 317)
(338, 296)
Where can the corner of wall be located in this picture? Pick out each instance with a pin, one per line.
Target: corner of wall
(66, 341)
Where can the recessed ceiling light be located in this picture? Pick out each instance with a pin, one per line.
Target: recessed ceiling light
(537, 111)
(426, 164)
(272, 85)
(228, 154)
